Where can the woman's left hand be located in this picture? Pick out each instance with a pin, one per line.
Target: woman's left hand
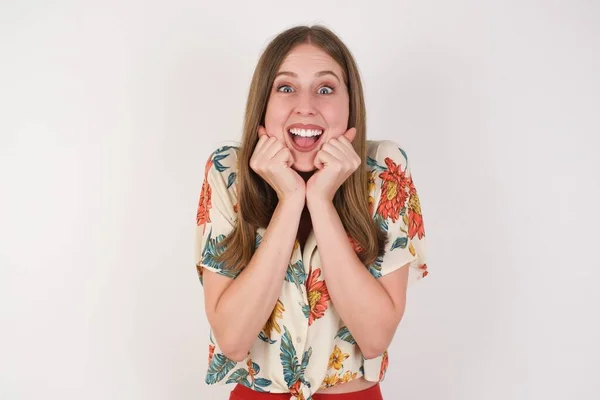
(335, 162)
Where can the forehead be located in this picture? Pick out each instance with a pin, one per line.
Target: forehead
(307, 58)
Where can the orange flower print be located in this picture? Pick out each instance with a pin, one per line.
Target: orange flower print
(199, 269)
(211, 352)
(348, 376)
(393, 191)
(357, 248)
(295, 390)
(205, 204)
(424, 269)
(330, 380)
(272, 324)
(415, 218)
(336, 358)
(371, 186)
(384, 365)
(208, 166)
(251, 371)
(318, 296)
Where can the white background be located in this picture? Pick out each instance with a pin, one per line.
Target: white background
(109, 109)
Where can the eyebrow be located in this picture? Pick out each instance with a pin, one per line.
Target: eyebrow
(318, 74)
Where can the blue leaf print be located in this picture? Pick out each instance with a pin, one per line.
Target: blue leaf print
(239, 376)
(306, 310)
(345, 335)
(375, 268)
(231, 179)
(259, 383)
(296, 274)
(255, 367)
(210, 251)
(371, 162)
(404, 154)
(399, 242)
(379, 220)
(265, 339)
(305, 360)
(219, 367)
(220, 154)
(289, 360)
(257, 241)
(243, 377)
(223, 149)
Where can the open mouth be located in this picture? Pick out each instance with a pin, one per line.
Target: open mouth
(305, 139)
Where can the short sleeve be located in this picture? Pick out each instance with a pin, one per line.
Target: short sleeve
(217, 209)
(397, 210)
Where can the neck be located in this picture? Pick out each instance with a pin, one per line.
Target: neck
(305, 175)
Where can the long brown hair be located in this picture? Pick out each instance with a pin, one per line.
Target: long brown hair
(256, 199)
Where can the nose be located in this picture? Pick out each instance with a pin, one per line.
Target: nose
(305, 104)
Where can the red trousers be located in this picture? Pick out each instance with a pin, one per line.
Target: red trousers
(241, 392)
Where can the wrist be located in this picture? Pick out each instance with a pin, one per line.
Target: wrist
(316, 202)
(295, 202)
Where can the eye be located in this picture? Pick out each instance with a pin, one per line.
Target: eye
(327, 87)
(283, 86)
(290, 90)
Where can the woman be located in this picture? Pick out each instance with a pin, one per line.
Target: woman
(307, 234)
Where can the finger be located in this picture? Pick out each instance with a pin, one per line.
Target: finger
(274, 145)
(267, 142)
(350, 154)
(261, 131)
(318, 163)
(284, 155)
(350, 134)
(264, 151)
(347, 143)
(336, 149)
(262, 138)
(324, 158)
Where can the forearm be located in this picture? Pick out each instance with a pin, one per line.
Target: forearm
(359, 298)
(244, 307)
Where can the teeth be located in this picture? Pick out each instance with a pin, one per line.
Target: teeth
(306, 132)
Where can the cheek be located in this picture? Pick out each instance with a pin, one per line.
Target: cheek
(336, 116)
(275, 119)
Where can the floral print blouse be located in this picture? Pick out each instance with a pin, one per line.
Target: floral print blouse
(304, 345)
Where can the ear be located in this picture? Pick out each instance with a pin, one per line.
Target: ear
(350, 134)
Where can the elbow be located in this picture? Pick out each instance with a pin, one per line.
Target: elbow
(229, 344)
(376, 345)
(234, 354)
(231, 348)
(379, 341)
(373, 351)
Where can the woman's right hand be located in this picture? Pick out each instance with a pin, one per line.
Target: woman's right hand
(273, 161)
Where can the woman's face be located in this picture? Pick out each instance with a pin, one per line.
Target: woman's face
(308, 90)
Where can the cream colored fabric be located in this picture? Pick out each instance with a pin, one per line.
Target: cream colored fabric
(305, 345)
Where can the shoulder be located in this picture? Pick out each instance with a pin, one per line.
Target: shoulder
(222, 164)
(220, 178)
(387, 155)
(223, 157)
